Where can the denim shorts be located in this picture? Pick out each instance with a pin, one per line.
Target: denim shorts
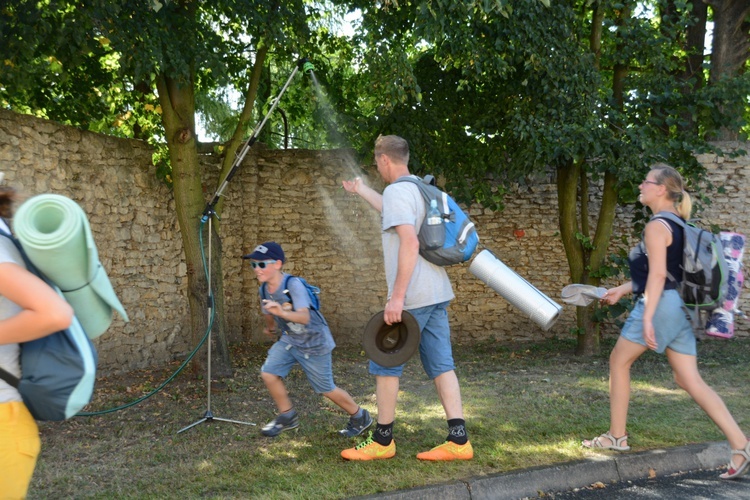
(671, 325)
(319, 370)
(435, 349)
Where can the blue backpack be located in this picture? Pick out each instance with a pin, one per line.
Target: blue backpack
(461, 237)
(57, 371)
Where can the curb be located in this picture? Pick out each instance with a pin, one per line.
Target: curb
(605, 468)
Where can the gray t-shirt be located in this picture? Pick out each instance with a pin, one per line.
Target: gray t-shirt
(429, 285)
(9, 353)
(313, 338)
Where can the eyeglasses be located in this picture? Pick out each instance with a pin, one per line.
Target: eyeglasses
(646, 181)
(262, 264)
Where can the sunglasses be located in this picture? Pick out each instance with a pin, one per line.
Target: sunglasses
(262, 264)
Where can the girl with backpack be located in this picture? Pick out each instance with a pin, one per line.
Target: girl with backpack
(659, 321)
(29, 309)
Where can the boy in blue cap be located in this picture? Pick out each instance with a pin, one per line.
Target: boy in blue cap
(304, 338)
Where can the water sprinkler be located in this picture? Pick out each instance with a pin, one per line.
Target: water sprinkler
(306, 66)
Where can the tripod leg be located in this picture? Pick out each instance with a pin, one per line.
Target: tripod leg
(208, 416)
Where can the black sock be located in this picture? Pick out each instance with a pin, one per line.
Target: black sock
(457, 431)
(383, 434)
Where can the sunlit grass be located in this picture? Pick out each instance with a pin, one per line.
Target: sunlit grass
(525, 406)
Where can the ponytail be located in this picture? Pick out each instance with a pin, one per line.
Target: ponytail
(684, 206)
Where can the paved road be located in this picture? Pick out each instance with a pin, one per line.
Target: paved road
(644, 475)
(696, 485)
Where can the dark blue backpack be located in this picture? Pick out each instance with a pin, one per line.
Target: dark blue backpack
(461, 237)
(57, 371)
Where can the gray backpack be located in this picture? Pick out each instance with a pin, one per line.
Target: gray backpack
(704, 269)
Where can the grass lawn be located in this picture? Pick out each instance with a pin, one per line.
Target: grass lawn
(525, 405)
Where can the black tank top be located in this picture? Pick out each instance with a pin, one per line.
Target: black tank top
(638, 260)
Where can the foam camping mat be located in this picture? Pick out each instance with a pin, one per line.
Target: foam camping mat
(56, 236)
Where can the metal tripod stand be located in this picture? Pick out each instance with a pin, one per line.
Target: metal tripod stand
(209, 416)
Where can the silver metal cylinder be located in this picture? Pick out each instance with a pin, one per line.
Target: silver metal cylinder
(515, 289)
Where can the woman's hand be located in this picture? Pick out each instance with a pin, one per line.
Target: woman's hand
(649, 335)
(613, 295)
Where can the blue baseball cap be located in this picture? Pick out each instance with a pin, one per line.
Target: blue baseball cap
(269, 250)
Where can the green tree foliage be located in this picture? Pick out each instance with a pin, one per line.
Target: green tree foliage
(495, 92)
(134, 68)
(488, 92)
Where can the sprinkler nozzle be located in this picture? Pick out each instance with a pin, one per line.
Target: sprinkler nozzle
(305, 65)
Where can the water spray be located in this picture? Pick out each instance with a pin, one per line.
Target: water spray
(302, 64)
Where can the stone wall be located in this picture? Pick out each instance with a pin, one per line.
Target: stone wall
(293, 197)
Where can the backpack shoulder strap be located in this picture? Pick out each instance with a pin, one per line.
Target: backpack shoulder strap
(263, 291)
(669, 215)
(9, 378)
(677, 220)
(29, 265)
(427, 187)
(5, 375)
(408, 178)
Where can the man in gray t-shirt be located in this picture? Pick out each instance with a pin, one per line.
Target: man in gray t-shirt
(423, 289)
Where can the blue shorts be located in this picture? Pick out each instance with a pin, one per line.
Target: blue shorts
(671, 325)
(435, 349)
(319, 370)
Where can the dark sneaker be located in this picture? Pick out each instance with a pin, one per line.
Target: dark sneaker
(357, 426)
(280, 424)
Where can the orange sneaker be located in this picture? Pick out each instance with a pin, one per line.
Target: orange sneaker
(448, 451)
(370, 450)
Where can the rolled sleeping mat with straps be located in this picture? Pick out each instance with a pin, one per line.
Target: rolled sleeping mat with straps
(56, 236)
(516, 290)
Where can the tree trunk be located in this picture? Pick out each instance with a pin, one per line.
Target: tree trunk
(693, 45)
(568, 178)
(567, 206)
(178, 117)
(730, 50)
(588, 332)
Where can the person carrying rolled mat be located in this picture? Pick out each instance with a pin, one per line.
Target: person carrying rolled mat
(304, 339)
(29, 309)
(424, 290)
(659, 321)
